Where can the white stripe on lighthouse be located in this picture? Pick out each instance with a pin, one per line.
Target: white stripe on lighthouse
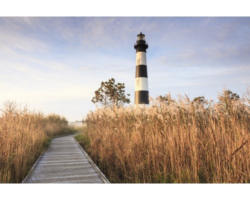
(141, 83)
(141, 58)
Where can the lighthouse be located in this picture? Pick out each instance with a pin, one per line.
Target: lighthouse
(141, 75)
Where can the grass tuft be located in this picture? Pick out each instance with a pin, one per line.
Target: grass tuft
(178, 142)
(23, 136)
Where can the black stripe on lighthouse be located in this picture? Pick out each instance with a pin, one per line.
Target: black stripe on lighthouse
(141, 75)
(141, 97)
(141, 71)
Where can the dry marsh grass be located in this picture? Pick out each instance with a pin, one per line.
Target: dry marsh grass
(178, 142)
(23, 136)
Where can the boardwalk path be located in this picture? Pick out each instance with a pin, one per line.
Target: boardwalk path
(65, 162)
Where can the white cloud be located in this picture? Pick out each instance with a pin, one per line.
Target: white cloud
(11, 41)
(43, 95)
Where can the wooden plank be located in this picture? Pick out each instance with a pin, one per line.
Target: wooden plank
(65, 162)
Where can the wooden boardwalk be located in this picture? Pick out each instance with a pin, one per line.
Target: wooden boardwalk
(65, 162)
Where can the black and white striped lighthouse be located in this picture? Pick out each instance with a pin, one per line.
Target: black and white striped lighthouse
(141, 75)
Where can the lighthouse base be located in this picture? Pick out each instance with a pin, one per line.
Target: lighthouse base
(141, 97)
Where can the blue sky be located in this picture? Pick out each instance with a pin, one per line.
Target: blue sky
(54, 65)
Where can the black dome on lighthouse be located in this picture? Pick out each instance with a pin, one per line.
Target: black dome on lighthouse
(141, 44)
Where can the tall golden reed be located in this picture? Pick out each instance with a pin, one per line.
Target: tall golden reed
(23, 136)
(184, 142)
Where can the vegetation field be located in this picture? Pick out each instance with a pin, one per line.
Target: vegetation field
(23, 136)
(172, 141)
